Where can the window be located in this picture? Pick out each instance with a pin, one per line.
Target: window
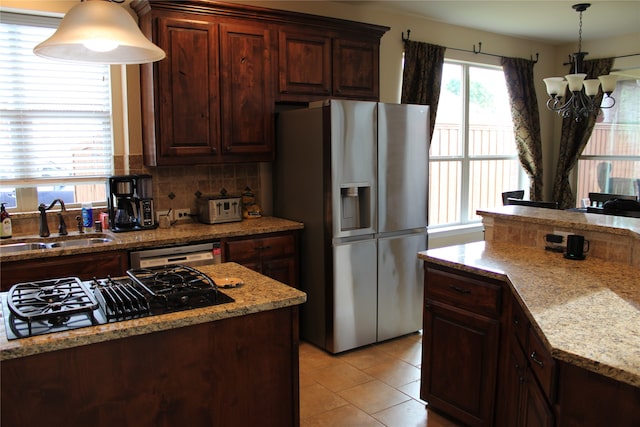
(55, 121)
(610, 162)
(473, 156)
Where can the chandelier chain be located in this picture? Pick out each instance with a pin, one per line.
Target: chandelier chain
(580, 34)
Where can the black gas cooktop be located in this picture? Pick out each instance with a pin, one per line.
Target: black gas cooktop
(55, 305)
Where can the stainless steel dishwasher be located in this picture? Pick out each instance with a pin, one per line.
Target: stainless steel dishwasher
(191, 255)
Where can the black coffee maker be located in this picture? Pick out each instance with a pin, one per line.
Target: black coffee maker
(130, 203)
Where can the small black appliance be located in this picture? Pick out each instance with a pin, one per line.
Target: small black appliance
(130, 203)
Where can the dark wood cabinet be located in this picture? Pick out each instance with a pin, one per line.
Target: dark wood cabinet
(485, 363)
(182, 106)
(213, 98)
(356, 68)
(275, 255)
(85, 266)
(316, 64)
(462, 386)
(247, 92)
(528, 381)
(240, 371)
(304, 64)
(461, 345)
(534, 410)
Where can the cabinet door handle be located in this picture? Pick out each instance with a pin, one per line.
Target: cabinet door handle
(534, 357)
(460, 290)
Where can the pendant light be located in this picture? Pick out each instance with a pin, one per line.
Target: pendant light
(99, 32)
(581, 101)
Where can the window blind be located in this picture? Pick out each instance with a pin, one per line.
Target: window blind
(55, 117)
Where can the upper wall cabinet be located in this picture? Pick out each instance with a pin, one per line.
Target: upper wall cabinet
(213, 98)
(317, 65)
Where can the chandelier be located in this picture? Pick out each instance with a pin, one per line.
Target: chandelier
(581, 100)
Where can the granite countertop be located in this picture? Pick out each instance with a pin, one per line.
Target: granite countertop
(566, 218)
(588, 312)
(258, 293)
(178, 234)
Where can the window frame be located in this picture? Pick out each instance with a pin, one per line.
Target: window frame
(579, 171)
(122, 79)
(466, 217)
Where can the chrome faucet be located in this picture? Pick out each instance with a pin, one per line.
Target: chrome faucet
(44, 226)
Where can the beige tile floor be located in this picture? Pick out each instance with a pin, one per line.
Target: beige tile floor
(377, 385)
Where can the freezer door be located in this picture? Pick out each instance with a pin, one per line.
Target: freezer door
(400, 285)
(353, 167)
(403, 167)
(354, 296)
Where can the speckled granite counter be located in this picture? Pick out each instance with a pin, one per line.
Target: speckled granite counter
(259, 293)
(178, 234)
(588, 311)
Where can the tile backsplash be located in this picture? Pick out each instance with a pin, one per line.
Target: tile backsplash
(182, 182)
(611, 246)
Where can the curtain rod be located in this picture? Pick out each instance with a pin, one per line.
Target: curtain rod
(479, 51)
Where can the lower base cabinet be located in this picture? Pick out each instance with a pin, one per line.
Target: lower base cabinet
(484, 364)
(241, 371)
(460, 345)
(459, 363)
(85, 266)
(275, 255)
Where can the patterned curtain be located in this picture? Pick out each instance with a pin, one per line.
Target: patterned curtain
(518, 73)
(422, 76)
(575, 135)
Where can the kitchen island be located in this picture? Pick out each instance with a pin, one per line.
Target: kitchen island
(518, 298)
(230, 364)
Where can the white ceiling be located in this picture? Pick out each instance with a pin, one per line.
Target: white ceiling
(543, 20)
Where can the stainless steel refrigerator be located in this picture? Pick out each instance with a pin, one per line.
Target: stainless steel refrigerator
(356, 173)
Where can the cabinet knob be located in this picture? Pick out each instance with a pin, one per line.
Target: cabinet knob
(534, 357)
(460, 290)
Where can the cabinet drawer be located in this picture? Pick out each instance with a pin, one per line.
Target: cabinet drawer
(266, 247)
(519, 323)
(542, 364)
(475, 295)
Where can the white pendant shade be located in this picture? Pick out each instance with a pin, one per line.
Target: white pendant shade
(608, 83)
(575, 81)
(555, 86)
(591, 87)
(99, 32)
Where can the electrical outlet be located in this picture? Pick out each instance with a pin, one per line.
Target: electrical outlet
(181, 214)
(161, 213)
(564, 235)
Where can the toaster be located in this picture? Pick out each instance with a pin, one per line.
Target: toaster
(220, 208)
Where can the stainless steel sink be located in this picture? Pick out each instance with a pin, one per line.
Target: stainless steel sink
(21, 247)
(69, 242)
(87, 241)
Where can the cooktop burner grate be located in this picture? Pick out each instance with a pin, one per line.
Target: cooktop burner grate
(50, 298)
(178, 286)
(172, 279)
(50, 304)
